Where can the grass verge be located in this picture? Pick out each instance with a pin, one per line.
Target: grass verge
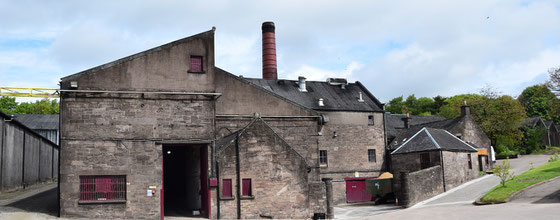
(535, 175)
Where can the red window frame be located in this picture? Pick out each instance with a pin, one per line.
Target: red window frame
(196, 64)
(226, 188)
(102, 188)
(246, 189)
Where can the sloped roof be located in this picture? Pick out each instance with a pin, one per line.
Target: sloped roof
(395, 123)
(446, 124)
(531, 121)
(335, 98)
(38, 121)
(548, 123)
(228, 140)
(429, 139)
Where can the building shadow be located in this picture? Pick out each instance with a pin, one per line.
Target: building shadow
(45, 202)
(550, 198)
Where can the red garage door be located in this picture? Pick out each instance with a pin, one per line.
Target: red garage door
(356, 190)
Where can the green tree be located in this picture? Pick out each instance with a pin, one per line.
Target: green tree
(395, 106)
(44, 106)
(538, 100)
(439, 101)
(8, 105)
(533, 140)
(495, 116)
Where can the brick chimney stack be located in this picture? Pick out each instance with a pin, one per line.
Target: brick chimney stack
(269, 51)
(465, 109)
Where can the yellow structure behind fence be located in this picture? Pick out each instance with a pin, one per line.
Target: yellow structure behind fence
(29, 92)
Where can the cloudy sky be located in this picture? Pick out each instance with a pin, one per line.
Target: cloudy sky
(426, 48)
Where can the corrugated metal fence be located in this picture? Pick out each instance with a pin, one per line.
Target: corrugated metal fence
(26, 158)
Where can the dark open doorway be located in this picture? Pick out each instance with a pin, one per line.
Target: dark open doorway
(184, 178)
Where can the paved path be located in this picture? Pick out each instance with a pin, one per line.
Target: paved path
(36, 202)
(469, 192)
(545, 193)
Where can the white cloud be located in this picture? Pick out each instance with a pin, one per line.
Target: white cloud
(318, 74)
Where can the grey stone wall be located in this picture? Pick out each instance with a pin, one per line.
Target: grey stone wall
(164, 68)
(470, 132)
(347, 151)
(118, 134)
(420, 185)
(281, 184)
(409, 163)
(456, 168)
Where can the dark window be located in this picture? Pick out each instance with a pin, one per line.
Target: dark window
(371, 155)
(486, 160)
(196, 64)
(470, 162)
(246, 189)
(323, 157)
(424, 160)
(226, 188)
(370, 120)
(102, 188)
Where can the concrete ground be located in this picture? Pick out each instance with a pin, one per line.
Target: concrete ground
(36, 202)
(548, 192)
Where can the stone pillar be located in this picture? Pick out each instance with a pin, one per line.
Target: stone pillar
(405, 190)
(328, 187)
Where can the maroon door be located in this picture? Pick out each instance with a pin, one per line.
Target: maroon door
(356, 191)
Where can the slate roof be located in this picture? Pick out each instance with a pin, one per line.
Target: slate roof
(395, 123)
(531, 121)
(38, 121)
(335, 98)
(446, 124)
(429, 139)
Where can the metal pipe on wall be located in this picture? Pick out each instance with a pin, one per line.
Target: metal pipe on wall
(238, 174)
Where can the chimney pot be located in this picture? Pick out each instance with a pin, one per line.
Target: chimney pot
(269, 51)
(407, 121)
(301, 84)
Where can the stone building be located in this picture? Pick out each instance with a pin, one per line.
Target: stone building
(155, 134)
(429, 162)
(463, 127)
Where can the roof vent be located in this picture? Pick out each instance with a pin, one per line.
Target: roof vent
(337, 81)
(301, 84)
(321, 102)
(360, 99)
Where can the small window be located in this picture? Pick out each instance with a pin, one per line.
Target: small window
(226, 188)
(371, 156)
(323, 158)
(486, 160)
(370, 120)
(196, 64)
(246, 189)
(470, 162)
(102, 188)
(424, 160)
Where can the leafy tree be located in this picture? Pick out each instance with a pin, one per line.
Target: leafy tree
(495, 116)
(45, 106)
(395, 105)
(533, 140)
(8, 105)
(439, 101)
(538, 100)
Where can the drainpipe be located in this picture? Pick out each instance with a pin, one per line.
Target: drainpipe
(442, 169)
(238, 174)
(217, 190)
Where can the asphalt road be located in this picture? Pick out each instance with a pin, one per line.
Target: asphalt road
(37, 202)
(544, 193)
(468, 193)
